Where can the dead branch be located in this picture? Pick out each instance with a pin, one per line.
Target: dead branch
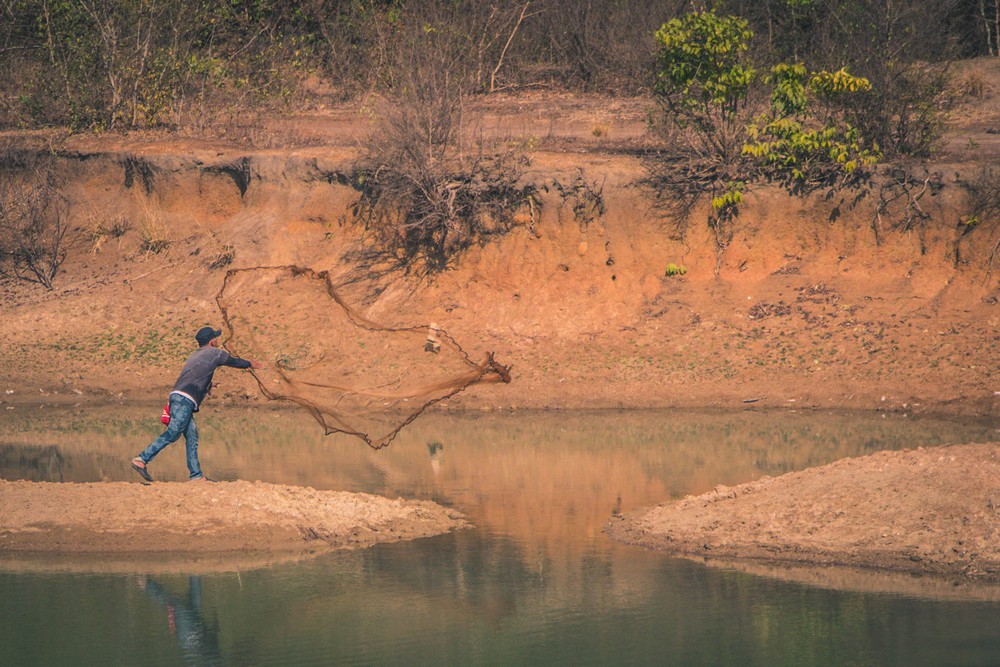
(510, 38)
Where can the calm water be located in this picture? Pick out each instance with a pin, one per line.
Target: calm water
(536, 582)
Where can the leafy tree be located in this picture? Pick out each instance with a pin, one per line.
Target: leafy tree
(805, 148)
(703, 79)
(729, 136)
(901, 46)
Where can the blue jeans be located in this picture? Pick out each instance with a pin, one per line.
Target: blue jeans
(181, 422)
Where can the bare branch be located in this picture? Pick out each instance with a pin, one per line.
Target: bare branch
(510, 38)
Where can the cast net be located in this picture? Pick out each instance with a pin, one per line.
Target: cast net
(354, 376)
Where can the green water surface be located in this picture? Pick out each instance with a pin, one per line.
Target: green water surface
(535, 582)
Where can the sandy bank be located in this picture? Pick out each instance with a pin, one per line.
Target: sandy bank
(205, 518)
(930, 511)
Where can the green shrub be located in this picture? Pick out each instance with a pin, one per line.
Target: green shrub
(675, 270)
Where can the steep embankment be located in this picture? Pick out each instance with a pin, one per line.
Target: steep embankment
(802, 309)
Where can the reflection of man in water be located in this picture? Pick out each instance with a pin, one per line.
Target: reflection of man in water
(198, 641)
(436, 450)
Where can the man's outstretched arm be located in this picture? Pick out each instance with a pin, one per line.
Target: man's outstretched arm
(237, 362)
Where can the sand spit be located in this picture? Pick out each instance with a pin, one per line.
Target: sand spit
(932, 511)
(195, 520)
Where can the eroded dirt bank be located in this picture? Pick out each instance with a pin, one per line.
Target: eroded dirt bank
(815, 302)
(930, 511)
(802, 312)
(195, 519)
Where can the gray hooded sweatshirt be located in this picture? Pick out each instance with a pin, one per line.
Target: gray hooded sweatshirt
(195, 380)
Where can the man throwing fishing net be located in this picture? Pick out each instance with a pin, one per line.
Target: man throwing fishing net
(191, 388)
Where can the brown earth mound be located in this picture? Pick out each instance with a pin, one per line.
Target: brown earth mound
(205, 518)
(929, 511)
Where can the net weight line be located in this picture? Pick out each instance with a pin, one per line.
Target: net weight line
(332, 420)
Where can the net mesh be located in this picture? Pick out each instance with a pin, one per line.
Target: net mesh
(352, 374)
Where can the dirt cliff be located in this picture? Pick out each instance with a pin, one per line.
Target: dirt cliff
(804, 308)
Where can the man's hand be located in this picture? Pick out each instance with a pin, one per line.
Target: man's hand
(257, 365)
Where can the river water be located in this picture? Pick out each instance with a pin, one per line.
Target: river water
(535, 582)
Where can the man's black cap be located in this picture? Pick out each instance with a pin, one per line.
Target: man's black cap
(206, 334)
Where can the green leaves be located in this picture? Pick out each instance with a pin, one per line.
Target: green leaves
(731, 198)
(702, 63)
(831, 84)
(790, 126)
(675, 270)
(802, 146)
(789, 95)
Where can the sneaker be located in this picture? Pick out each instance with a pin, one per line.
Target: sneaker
(201, 478)
(140, 467)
